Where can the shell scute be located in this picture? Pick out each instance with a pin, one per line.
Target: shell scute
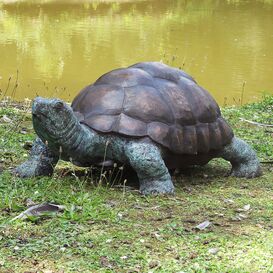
(130, 126)
(125, 77)
(161, 70)
(226, 132)
(161, 132)
(177, 100)
(215, 136)
(102, 123)
(100, 100)
(190, 140)
(145, 103)
(203, 106)
(202, 133)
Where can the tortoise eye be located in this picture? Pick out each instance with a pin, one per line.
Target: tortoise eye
(58, 105)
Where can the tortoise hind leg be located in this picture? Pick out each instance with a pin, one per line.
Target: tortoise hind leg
(243, 159)
(41, 162)
(153, 175)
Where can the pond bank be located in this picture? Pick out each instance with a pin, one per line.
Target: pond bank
(111, 229)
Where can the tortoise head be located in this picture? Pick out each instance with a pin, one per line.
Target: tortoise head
(52, 118)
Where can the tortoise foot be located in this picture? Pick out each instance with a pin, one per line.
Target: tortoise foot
(41, 162)
(32, 168)
(249, 170)
(156, 187)
(243, 159)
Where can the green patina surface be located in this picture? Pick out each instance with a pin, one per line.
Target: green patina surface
(109, 229)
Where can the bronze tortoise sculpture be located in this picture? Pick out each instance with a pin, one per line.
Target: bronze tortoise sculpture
(149, 116)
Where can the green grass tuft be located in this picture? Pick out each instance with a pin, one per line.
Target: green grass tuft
(108, 229)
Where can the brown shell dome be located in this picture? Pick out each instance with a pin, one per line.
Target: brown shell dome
(155, 100)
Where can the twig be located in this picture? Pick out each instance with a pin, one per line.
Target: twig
(267, 162)
(257, 123)
(7, 88)
(104, 158)
(242, 92)
(15, 85)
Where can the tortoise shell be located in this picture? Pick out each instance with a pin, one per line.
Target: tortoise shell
(155, 100)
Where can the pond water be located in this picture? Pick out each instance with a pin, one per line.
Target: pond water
(58, 47)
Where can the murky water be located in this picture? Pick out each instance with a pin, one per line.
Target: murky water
(59, 47)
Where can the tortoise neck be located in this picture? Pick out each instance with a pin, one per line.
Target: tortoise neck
(76, 140)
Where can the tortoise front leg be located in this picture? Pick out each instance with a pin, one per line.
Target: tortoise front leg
(243, 159)
(41, 162)
(153, 175)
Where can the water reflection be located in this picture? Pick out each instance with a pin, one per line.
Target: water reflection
(221, 43)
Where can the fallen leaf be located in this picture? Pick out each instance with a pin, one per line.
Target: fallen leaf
(119, 216)
(111, 204)
(203, 225)
(40, 209)
(230, 201)
(138, 207)
(29, 202)
(124, 257)
(193, 255)
(213, 251)
(236, 218)
(244, 209)
(153, 264)
(239, 217)
(156, 236)
(5, 119)
(104, 261)
(242, 216)
(219, 214)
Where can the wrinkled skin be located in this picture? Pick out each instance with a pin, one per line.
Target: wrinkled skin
(62, 136)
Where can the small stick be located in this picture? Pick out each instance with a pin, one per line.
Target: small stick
(7, 88)
(267, 162)
(256, 123)
(15, 85)
(104, 159)
(242, 92)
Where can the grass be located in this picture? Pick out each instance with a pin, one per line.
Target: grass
(109, 229)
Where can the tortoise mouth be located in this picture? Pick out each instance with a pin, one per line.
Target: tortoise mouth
(38, 106)
(43, 109)
(39, 117)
